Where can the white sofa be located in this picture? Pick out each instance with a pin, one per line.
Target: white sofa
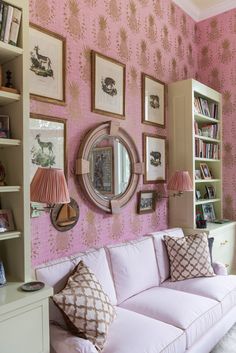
(154, 315)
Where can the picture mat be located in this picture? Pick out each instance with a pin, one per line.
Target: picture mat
(157, 145)
(151, 114)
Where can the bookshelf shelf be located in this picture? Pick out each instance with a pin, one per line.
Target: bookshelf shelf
(10, 235)
(205, 181)
(9, 52)
(9, 142)
(202, 202)
(207, 139)
(8, 97)
(205, 119)
(206, 159)
(10, 188)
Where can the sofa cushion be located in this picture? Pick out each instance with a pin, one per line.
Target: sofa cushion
(189, 312)
(86, 306)
(189, 257)
(96, 260)
(220, 288)
(134, 267)
(161, 251)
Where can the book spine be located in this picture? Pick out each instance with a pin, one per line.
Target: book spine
(1, 15)
(15, 26)
(4, 20)
(8, 23)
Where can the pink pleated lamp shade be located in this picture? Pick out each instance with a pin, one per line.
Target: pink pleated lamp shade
(180, 181)
(49, 186)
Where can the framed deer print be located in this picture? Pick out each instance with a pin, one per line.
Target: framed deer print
(108, 86)
(154, 149)
(47, 143)
(153, 101)
(46, 65)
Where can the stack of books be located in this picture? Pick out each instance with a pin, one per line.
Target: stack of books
(205, 107)
(10, 19)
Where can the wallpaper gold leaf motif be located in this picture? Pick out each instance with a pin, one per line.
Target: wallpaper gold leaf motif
(185, 72)
(73, 106)
(172, 15)
(227, 154)
(85, 64)
(158, 9)
(179, 48)
(228, 106)
(144, 2)
(91, 3)
(117, 227)
(113, 8)
(122, 45)
(165, 38)
(132, 80)
(102, 37)
(213, 30)
(190, 55)
(226, 54)
(91, 236)
(150, 28)
(215, 80)
(142, 54)
(72, 19)
(43, 11)
(174, 71)
(205, 60)
(228, 208)
(158, 64)
(132, 19)
(183, 26)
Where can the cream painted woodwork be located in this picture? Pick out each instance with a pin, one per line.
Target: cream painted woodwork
(23, 316)
(182, 210)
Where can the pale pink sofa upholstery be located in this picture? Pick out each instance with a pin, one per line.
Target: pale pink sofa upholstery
(154, 315)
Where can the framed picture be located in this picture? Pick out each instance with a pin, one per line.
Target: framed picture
(47, 143)
(153, 101)
(208, 212)
(47, 65)
(146, 202)
(4, 126)
(101, 165)
(198, 175)
(3, 280)
(205, 107)
(205, 171)
(198, 194)
(108, 86)
(6, 221)
(211, 193)
(154, 149)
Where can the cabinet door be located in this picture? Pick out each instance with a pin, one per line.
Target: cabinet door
(25, 330)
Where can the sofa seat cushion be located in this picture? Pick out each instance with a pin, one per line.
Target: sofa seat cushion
(220, 288)
(134, 267)
(189, 312)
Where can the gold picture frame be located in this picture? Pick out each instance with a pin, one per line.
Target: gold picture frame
(108, 86)
(47, 73)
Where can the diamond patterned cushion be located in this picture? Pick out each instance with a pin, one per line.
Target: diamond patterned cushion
(189, 257)
(85, 305)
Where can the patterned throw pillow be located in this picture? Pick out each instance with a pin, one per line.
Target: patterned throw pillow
(86, 307)
(189, 257)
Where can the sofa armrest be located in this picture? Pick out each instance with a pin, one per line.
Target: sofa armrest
(63, 341)
(219, 268)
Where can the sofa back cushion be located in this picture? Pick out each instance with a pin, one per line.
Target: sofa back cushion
(161, 251)
(134, 267)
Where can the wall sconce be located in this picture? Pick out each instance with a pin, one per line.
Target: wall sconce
(179, 182)
(49, 186)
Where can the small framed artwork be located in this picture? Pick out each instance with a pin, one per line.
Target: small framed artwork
(198, 175)
(4, 126)
(205, 106)
(198, 194)
(3, 280)
(153, 101)
(205, 171)
(46, 65)
(101, 165)
(146, 202)
(208, 212)
(47, 143)
(211, 193)
(154, 149)
(108, 86)
(6, 221)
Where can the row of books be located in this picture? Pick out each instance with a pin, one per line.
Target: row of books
(205, 107)
(210, 130)
(10, 19)
(206, 150)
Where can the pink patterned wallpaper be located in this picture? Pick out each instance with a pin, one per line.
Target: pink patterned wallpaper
(151, 36)
(216, 40)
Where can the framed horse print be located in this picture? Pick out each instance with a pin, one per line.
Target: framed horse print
(47, 143)
(46, 65)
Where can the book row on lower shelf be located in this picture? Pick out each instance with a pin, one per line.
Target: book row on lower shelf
(206, 150)
(10, 19)
(205, 107)
(207, 130)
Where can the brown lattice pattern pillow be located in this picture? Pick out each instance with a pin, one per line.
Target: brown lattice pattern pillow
(86, 307)
(189, 257)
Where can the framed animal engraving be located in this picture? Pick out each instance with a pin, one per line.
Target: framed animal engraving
(153, 101)
(154, 149)
(108, 86)
(47, 65)
(47, 143)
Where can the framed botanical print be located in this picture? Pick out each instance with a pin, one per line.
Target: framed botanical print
(108, 86)
(154, 149)
(47, 143)
(153, 101)
(46, 65)
(146, 202)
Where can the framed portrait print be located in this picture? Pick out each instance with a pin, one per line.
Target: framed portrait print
(47, 143)
(146, 202)
(101, 165)
(108, 86)
(6, 221)
(205, 171)
(208, 212)
(46, 65)
(154, 148)
(153, 101)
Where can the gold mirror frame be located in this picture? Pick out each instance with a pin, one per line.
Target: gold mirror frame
(110, 128)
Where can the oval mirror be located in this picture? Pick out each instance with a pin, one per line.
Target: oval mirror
(108, 166)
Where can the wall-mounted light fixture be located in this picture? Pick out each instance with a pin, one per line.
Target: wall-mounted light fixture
(179, 182)
(49, 187)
